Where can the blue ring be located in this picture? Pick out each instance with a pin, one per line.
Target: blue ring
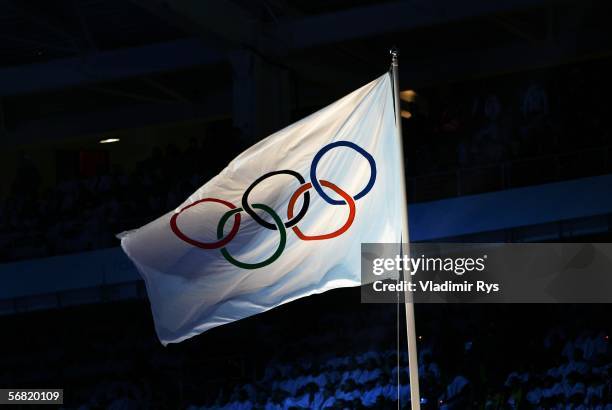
(317, 158)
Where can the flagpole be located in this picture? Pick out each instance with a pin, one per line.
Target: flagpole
(413, 366)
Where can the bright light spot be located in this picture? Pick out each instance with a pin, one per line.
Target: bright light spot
(405, 114)
(109, 140)
(408, 95)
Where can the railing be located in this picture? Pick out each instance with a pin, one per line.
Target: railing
(511, 174)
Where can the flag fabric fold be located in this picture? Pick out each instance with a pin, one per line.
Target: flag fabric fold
(284, 220)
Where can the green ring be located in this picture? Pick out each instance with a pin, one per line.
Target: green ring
(277, 253)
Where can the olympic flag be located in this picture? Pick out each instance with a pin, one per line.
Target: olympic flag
(284, 220)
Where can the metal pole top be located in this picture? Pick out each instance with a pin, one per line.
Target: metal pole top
(394, 51)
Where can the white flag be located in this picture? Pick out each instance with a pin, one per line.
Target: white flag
(283, 220)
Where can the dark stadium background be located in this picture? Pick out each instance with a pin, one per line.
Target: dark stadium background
(512, 110)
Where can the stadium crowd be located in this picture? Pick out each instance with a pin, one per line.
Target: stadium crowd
(576, 374)
(85, 213)
(461, 127)
(325, 353)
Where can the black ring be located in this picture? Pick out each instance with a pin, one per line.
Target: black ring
(261, 221)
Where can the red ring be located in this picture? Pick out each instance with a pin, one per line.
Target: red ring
(204, 245)
(349, 200)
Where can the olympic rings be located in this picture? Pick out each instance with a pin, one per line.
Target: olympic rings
(204, 245)
(278, 224)
(344, 228)
(317, 158)
(257, 218)
(275, 255)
